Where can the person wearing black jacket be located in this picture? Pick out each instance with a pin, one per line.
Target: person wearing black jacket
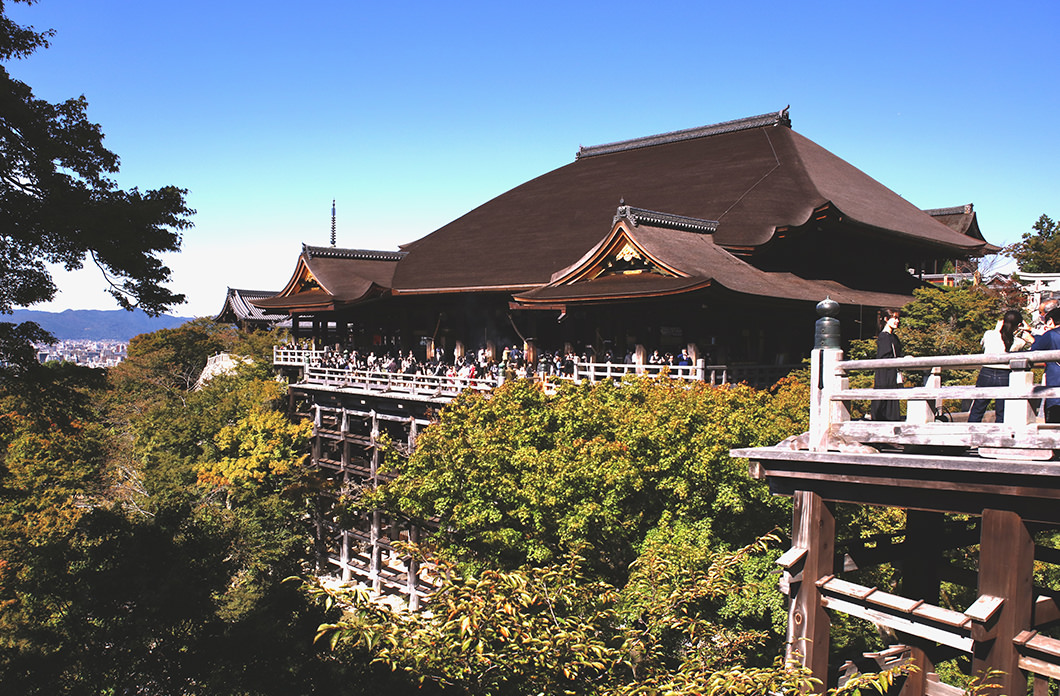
(888, 345)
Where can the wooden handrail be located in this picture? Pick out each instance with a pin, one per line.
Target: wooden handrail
(1020, 435)
(1019, 360)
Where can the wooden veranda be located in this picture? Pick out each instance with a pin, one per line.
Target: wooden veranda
(961, 484)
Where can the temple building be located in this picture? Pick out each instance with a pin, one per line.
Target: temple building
(717, 240)
(238, 310)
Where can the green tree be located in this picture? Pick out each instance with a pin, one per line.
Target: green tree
(122, 570)
(60, 204)
(556, 629)
(1039, 250)
(522, 477)
(948, 321)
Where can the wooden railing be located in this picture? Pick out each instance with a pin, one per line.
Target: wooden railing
(296, 357)
(378, 380)
(1019, 435)
(414, 385)
(700, 372)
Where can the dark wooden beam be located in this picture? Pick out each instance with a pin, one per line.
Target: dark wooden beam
(1006, 564)
(813, 529)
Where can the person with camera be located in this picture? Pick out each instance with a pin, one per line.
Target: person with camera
(1010, 335)
(1050, 340)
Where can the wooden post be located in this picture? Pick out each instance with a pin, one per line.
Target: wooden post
(345, 431)
(920, 412)
(823, 383)
(1006, 564)
(1018, 412)
(344, 556)
(376, 553)
(921, 580)
(413, 570)
(375, 548)
(813, 529)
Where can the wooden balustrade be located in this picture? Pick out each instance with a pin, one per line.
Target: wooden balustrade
(296, 357)
(449, 386)
(1020, 435)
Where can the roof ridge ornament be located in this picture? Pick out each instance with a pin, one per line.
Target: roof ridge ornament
(779, 118)
(956, 210)
(358, 254)
(667, 220)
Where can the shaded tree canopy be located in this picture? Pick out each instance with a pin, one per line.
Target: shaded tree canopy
(59, 203)
(1039, 250)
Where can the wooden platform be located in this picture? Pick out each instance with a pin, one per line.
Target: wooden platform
(956, 484)
(1003, 473)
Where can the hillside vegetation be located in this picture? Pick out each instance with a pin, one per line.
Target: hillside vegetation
(599, 541)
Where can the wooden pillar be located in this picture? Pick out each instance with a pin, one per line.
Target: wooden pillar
(344, 433)
(374, 540)
(413, 570)
(1006, 564)
(414, 433)
(344, 556)
(921, 580)
(813, 530)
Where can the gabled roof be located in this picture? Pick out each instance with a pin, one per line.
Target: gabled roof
(752, 176)
(674, 254)
(238, 308)
(962, 219)
(330, 278)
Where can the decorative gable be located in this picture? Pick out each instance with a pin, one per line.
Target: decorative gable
(620, 252)
(626, 258)
(307, 281)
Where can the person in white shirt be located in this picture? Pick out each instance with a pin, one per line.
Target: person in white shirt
(1010, 335)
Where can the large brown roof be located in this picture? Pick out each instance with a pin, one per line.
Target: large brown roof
(752, 176)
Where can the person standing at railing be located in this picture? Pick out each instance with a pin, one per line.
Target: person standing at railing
(1044, 308)
(888, 345)
(1010, 335)
(1050, 340)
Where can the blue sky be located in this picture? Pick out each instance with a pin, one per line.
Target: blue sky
(411, 114)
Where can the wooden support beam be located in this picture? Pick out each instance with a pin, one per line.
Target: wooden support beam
(921, 579)
(1006, 560)
(813, 529)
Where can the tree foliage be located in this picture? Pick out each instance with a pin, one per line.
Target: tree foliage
(555, 629)
(122, 571)
(948, 321)
(522, 477)
(1039, 250)
(60, 204)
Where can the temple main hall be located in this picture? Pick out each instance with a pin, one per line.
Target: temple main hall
(717, 240)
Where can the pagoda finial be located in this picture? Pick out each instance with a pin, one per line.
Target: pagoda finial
(332, 222)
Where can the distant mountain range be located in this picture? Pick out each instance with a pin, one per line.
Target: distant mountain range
(95, 324)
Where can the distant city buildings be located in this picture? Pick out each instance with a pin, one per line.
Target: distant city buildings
(102, 353)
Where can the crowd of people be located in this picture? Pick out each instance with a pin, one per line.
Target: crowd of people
(481, 364)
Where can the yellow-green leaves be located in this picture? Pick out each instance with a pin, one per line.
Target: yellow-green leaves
(259, 447)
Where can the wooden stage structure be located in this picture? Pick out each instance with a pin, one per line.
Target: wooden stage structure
(356, 416)
(961, 484)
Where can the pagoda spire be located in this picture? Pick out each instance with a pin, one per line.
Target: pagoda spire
(332, 222)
